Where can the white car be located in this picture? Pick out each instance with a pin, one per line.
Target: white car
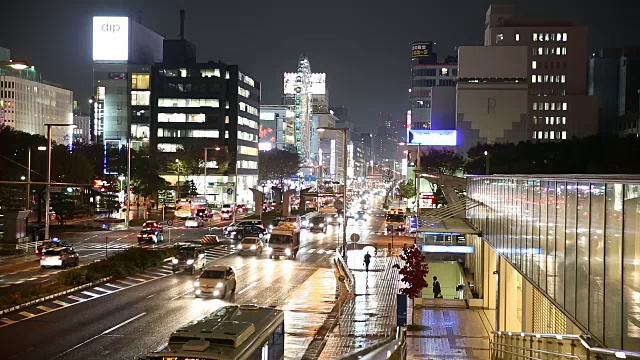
(61, 257)
(193, 222)
(215, 281)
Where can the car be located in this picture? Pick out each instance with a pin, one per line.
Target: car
(243, 231)
(361, 215)
(50, 244)
(203, 213)
(226, 213)
(251, 244)
(215, 281)
(318, 223)
(61, 257)
(189, 257)
(304, 222)
(241, 208)
(152, 225)
(227, 230)
(194, 222)
(150, 235)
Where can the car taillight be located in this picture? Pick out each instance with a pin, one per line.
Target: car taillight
(59, 257)
(42, 257)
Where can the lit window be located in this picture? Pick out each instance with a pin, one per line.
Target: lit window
(226, 119)
(546, 120)
(564, 120)
(535, 134)
(553, 36)
(173, 102)
(140, 81)
(546, 51)
(539, 51)
(517, 37)
(183, 72)
(533, 78)
(558, 36)
(539, 78)
(226, 134)
(535, 106)
(534, 64)
(499, 38)
(226, 104)
(564, 106)
(546, 78)
(552, 135)
(210, 72)
(564, 135)
(247, 136)
(248, 108)
(535, 121)
(546, 37)
(557, 120)
(226, 75)
(535, 36)
(181, 118)
(444, 72)
(546, 106)
(203, 133)
(140, 98)
(564, 37)
(539, 134)
(243, 92)
(564, 51)
(247, 122)
(246, 150)
(562, 78)
(546, 134)
(164, 147)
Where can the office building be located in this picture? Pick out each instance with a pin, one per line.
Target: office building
(557, 72)
(277, 128)
(123, 53)
(27, 102)
(433, 88)
(614, 78)
(212, 105)
(82, 131)
(330, 148)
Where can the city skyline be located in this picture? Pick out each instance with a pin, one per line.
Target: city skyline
(366, 64)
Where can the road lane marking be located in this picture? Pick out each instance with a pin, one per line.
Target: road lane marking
(115, 285)
(26, 314)
(90, 294)
(150, 296)
(248, 287)
(103, 333)
(7, 321)
(126, 282)
(61, 303)
(102, 289)
(147, 276)
(44, 308)
(132, 278)
(76, 298)
(181, 295)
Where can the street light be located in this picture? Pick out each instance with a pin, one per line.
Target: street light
(486, 162)
(48, 196)
(344, 180)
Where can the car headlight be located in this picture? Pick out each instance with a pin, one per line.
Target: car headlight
(174, 261)
(287, 251)
(216, 293)
(196, 283)
(321, 225)
(219, 285)
(239, 246)
(270, 226)
(190, 261)
(253, 247)
(198, 292)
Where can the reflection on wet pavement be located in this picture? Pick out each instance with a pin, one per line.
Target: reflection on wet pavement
(306, 310)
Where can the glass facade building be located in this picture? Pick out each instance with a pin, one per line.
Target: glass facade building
(576, 239)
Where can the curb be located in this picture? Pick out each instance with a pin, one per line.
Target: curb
(48, 297)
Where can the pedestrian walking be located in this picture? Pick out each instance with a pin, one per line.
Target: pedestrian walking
(367, 260)
(437, 292)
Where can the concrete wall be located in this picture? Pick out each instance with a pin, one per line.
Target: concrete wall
(493, 62)
(443, 108)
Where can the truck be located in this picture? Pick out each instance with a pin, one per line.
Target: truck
(284, 241)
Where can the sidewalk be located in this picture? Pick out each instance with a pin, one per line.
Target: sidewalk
(370, 316)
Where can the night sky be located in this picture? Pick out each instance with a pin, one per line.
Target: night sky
(363, 46)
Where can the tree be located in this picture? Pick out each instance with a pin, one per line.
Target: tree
(145, 173)
(414, 272)
(188, 188)
(277, 164)
(407, 189)
(442, 161)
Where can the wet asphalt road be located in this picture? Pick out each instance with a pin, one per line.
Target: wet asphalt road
(128, 323)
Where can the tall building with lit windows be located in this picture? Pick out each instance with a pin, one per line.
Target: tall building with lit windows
(213, 105)
(559, 107)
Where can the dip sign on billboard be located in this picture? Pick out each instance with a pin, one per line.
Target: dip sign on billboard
(110, 38)
(432, 137)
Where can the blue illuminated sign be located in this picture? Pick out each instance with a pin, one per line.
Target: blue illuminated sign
(432, 137)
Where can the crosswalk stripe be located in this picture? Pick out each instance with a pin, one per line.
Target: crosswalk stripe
(102, 289)
(136, 279)
(115, 286)
(90, 294)
(44, 308)
(26, 314)
(125, 282)
(7, 321)
(61, 303)
(76, 298)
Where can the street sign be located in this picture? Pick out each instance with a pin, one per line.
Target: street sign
(229, 191)
(355, 237)
(338, 204)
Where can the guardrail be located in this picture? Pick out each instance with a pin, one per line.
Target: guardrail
(27, 245)
(532, 346)
(344, 270)
(391, 348)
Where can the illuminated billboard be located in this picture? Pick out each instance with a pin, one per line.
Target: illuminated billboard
(421, 49)
(110, 38)
(318, 83)
(432, 137)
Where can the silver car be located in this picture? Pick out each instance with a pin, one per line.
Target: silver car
(215, 281)
(61, 257)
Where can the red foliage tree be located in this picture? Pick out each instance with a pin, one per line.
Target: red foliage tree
(413, 272)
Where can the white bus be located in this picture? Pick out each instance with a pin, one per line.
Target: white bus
(231, 332)
(183, 208)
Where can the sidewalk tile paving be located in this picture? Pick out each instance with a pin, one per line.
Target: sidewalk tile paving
(370, 316)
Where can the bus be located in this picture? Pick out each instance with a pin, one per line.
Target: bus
(396, 218)
(183, 208)
(232, 332)
(189, 206)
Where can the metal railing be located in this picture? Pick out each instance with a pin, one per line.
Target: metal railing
(392, 348)
(28, 245)
(344, 269)
(532, 346)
